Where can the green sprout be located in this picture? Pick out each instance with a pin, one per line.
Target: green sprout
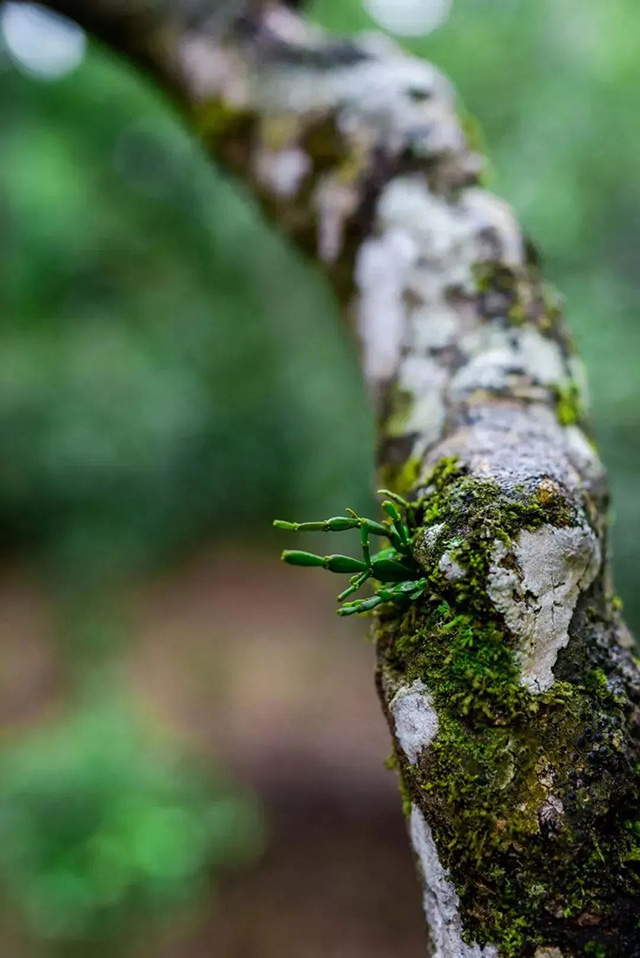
(394, 570)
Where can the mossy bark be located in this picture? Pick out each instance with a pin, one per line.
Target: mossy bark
(511, 691)
(532, 797)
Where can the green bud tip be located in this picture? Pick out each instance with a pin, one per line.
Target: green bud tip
(394, 496)
(392, 510)
(308, 559)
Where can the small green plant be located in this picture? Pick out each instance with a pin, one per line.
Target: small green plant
(394, 571)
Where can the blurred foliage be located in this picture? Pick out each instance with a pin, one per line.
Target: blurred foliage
(103, 829)
(168, 370)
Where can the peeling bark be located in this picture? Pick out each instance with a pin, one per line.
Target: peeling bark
(510, 690)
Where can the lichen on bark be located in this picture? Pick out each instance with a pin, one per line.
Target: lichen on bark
(530, 797)
(510, 688)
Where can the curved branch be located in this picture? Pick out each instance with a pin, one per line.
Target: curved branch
(511, 692)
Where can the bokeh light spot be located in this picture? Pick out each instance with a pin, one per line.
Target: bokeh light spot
(409, 17)
(40, 42)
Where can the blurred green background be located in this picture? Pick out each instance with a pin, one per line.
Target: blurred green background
(172, 376)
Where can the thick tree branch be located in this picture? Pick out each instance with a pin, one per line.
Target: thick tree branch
(510, 690)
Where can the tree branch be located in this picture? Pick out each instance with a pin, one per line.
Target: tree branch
(511, 692)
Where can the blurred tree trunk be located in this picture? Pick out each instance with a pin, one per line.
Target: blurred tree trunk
(510, 690)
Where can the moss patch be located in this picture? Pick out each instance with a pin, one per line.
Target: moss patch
(401, 404)
(518, 295)
(568, 403)
(522, 792)
(403, 477)
(471, 514)
(533, 800)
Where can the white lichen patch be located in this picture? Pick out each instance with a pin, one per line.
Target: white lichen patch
(495, 225)
(381, 271)
(211, 71)
(551, 811)
(451, 568)
(441, 903)
(283, 171)
(624, 637)
(427, 543)
(583, 454)
(415, 718)
(335, 202)
(426, 420)
(434, 327)
(403, 98)
(383, 94)
(412, 283)
(497, 356)
(288, 27)
(440, 229)
(536, 584)
(422, 380)
(452, 235)
(423, 247)
(548, 953)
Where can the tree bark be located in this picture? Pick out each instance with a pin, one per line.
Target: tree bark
(510, 690)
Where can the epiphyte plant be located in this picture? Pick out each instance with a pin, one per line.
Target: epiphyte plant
(394, 570)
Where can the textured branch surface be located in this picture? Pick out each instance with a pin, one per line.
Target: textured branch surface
(510, 690)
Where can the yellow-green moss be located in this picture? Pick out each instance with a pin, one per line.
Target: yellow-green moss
(533, 800)
(402, 479)
(218, 118)
(500, 753)
(518, 295)
(568, 403)
(401, 404)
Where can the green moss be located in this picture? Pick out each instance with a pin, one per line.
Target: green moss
(518, 294)
(473, 132)
(552, 300)
(499, 754)
(616, 603)
(568, 403)
(468, 658)
(495, 275)
(405, 795)
(506, 292)
(401, 403)
(218, 118)
(517, 314)
(473, 514)
(595, 950)
(435, 484)
(403, 478)
(526, 794)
